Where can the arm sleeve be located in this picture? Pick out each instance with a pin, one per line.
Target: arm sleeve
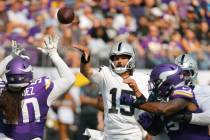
(4, 63)
(65, 81)
(97, 76)
(202, 118)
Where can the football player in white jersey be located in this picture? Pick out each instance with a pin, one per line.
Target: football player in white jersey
(202, 94)
(115, 81)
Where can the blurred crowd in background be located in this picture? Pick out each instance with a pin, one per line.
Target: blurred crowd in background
(159, 30)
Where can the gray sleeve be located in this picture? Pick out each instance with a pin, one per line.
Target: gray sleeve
(201, 118)
(4, 63)
(62, 84)
(204, 117)
(97, 77)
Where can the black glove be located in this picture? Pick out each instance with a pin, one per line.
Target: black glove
(139, 101)
(85, 60)
(183, 117)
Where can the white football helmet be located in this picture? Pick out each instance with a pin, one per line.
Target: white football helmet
(189, 65)
(122, 48)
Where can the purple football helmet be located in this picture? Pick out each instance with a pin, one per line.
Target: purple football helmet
(164, 78)
(19, 72)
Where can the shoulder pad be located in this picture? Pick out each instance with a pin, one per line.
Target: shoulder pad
(43, 82)
(102, 68)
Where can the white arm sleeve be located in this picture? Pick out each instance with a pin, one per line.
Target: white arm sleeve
(4, 63)
(65, 81)
(204, 117)
(201, 118)
(97, 77)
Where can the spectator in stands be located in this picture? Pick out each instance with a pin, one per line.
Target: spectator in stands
(137, 9)
(3, 17)
(142, 27)
(175, 47)
(153, 47)
(108, 23)
(66, 116)
(88, 115)
(190, 42)
(18, 22)
(203, 35)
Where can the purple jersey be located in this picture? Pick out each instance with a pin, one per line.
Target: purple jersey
(183, 131)
(33, 113)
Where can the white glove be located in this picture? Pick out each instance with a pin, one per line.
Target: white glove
(17, 50)
(51, 44)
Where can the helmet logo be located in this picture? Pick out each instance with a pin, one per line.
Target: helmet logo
(119, 46)
(28, 69)
(164, 75)
(182, 59)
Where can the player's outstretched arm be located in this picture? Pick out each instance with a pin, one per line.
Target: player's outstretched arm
(4, 63)
(204, 105)
(166, 109)
(159, 108)
(85, 66)
(200, 118)
(193, 118)
(67, 77)
(16, 51)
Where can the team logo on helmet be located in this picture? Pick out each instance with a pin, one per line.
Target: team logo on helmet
(164, 78)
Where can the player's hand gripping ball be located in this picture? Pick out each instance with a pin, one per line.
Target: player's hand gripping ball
(65, 15)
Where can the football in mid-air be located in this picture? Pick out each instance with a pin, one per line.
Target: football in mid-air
(65, 15)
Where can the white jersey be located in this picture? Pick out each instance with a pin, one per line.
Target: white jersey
(202, 96)
(119, 119)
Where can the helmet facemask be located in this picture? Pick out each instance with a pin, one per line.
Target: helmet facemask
(122, 69)
(189, 68)
(190, 77)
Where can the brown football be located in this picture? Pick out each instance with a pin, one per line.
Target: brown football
(65, 15)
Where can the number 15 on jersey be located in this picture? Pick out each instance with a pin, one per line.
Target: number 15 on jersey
(114, 109)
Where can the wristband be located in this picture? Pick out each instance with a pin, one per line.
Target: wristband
(83, 59)
(139, 101)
